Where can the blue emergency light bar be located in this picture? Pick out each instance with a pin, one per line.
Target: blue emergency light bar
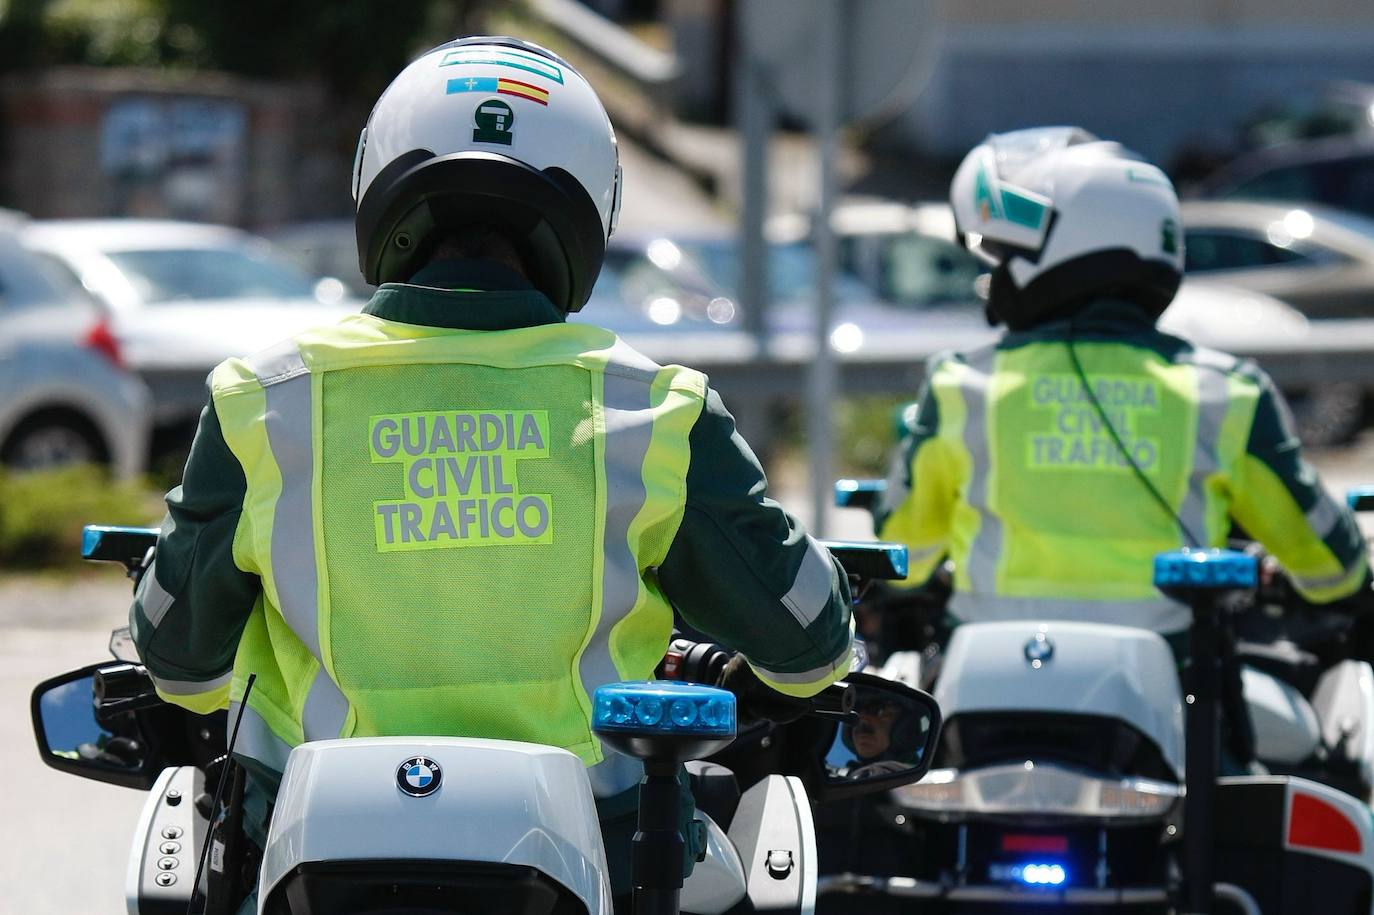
(654, 708)
(1219, 570)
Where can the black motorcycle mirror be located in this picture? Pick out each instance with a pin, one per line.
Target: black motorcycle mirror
(888, 740)
(77, 735)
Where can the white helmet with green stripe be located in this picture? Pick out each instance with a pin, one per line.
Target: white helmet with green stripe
(1063, 217)
(492, 132)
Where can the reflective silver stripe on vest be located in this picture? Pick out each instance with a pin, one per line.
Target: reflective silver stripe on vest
(1324, 516)
(1309, 583)
(615, 774)
(913, 557)
(156, 601)
(256, 740)
(325, 709)
(629, 429)
(1213, 400)
(811, 588)
(290, 434)
(986, 548)
(192, 687)
(1159, 614)
(815, 674)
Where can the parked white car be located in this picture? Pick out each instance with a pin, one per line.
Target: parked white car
(182, 297)
(65, 397)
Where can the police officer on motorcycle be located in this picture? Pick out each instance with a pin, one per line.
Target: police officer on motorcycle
(456, 513)
(1052, 466)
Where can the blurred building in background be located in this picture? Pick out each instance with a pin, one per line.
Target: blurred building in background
(210, 147)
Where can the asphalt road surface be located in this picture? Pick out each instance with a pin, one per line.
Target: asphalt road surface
(66, 840)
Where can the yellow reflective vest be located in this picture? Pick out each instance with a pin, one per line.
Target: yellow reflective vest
(1009, 468)
(403, 526)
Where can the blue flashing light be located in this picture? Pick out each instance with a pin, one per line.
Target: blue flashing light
(664, 707)
(1211, 569)
(1043, 874)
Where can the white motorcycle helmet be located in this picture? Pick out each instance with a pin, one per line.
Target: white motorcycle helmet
(489, 131)
(1063, 217)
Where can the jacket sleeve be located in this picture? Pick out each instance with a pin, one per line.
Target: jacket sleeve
(193, 601)
(922, 493)
(746, 573)
(1278, 500)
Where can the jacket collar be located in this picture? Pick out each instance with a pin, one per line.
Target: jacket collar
(464, 295)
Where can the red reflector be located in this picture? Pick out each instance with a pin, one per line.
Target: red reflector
(672, 665)
(1052, 844)
(102, 341)
(1314, 823)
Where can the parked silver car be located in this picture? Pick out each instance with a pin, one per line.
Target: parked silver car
(181, 297)
(65, 397)
(1319, 260)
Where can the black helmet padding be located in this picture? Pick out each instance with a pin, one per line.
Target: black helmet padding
(419, 196)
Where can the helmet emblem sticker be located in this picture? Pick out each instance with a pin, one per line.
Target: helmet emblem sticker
(493, 119)
(983, 199)
(419, 776)
(500, 85)
(504, 57)
(1168, 237)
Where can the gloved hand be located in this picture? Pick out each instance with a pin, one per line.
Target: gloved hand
(757, 700)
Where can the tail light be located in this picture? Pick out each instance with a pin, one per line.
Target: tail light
(100, 339)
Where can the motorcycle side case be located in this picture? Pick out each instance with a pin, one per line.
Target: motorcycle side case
(776, 838)
(500, 817)
(1294, 845)
(1069, 667)
(167, 844)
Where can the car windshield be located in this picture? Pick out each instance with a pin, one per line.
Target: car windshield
(168, 275)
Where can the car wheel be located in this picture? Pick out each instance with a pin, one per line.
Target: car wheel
(1329, 415)
(53, 440)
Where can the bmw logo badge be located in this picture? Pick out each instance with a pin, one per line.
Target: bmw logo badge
(419, 776)
(1039, 650)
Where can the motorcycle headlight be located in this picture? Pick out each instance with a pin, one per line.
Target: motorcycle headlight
(1034, 789)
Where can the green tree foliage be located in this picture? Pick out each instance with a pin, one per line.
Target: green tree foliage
(353, 46)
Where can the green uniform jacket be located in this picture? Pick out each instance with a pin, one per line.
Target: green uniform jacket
(1007, 468)
(736, 567)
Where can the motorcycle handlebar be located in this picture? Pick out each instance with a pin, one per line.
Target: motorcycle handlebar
(702, 662)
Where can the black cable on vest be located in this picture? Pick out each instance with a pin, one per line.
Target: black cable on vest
(1163, 503)
(219, 794)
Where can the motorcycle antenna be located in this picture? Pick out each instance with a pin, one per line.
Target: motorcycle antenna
(219, 794)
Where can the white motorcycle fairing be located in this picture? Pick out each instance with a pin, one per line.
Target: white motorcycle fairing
(499, 802)
(1078, 668)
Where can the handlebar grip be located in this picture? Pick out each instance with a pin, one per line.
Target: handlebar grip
(835, 701)
(694, 662)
